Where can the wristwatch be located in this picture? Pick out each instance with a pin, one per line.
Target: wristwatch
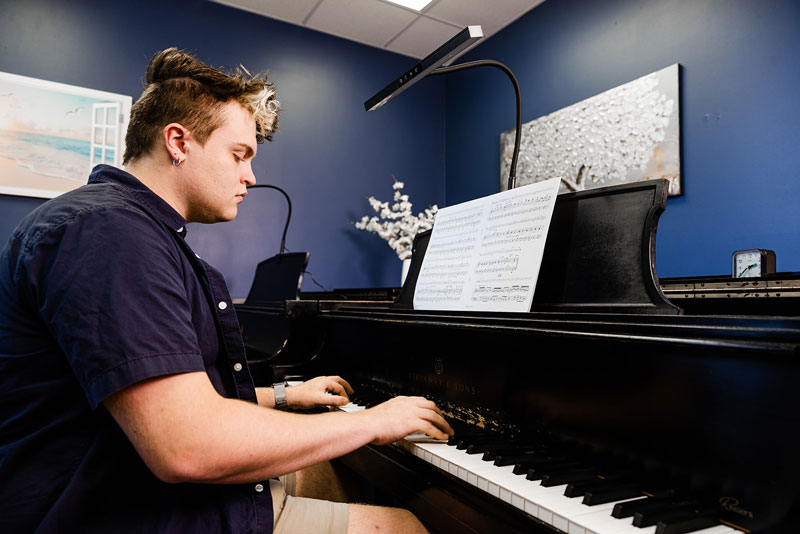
(280, 396)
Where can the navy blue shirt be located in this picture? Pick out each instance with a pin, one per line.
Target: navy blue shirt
(98, 291)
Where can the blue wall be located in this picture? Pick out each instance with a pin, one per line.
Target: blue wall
(740, 112)
(740, 76)
(328, 156)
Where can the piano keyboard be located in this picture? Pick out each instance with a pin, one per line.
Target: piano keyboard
(549, 504)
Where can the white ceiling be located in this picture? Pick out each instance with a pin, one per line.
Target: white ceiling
(388, 26)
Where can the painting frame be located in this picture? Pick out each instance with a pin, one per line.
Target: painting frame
(52, 134)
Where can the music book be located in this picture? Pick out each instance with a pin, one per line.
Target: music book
(485, 254)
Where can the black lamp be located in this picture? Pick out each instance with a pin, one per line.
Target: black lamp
(280, 277)
(432, 64)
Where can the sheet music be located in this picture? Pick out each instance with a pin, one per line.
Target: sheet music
(485, 254)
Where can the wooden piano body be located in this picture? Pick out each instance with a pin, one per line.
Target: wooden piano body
(703, 403)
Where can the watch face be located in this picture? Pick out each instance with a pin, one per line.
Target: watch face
(747, 264)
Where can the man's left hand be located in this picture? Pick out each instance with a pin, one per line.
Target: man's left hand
(319, 391)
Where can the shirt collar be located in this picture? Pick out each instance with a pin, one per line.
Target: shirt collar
(154, 203)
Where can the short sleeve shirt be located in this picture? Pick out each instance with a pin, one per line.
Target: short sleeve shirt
(98, 291)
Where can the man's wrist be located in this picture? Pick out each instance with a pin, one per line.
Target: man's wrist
(280, 396)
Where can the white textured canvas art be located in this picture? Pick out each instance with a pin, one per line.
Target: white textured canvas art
(626, 134)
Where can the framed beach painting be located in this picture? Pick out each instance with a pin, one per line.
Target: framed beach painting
(52, 134)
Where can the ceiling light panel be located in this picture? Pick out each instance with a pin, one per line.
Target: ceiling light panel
(416, 5)
(366, 21)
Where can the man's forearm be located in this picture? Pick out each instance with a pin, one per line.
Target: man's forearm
(252, 443)
(185, 431)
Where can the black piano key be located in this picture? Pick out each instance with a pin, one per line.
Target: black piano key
(466, 441)
(697, 521)
(501, 460)
(614, 492)
(480, 448)
(605, 479)
(551, 468)
(630, 508)
(559, 479)
(579, 489)
(522, 468)
(491, 454)
(461, 435)
(662, 493)
(647, 518)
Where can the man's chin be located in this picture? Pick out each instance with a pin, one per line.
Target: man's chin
(212, 218)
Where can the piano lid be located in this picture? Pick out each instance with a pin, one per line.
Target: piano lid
(599, 256)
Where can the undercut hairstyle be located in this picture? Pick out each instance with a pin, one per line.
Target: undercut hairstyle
(180, 88)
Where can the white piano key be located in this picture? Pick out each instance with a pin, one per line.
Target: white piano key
(719, 529)
(350, 408)
(601, 522)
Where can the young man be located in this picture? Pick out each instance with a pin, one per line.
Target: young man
(126, 404)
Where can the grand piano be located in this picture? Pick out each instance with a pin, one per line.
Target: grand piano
(606, 408)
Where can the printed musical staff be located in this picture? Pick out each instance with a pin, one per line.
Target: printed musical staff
(499, 265)
(500, 293)
(447, 293)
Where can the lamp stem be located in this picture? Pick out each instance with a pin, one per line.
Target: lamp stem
(512, 175)
(288, 216)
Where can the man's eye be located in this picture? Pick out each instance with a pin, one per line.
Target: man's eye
(237, 157)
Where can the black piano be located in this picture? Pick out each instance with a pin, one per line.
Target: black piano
(619, 409)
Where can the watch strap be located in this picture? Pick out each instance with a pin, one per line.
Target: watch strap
(280, 396)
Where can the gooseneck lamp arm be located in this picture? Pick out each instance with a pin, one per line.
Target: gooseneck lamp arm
(432, 64)
(512, 175)
(288, 216)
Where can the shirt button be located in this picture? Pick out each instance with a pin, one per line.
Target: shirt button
(237, 366)
(259, 488)
(222, 305)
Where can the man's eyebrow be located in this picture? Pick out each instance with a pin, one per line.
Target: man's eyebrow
(248, 150)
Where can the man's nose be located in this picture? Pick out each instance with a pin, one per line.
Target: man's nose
(249, 177)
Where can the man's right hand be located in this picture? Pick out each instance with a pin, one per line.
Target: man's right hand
(397, 418)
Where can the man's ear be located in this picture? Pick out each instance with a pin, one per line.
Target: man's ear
(175, 137)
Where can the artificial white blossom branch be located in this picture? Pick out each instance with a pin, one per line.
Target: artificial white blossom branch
(395, 222)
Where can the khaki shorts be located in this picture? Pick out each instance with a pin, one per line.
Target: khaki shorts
(298, 515)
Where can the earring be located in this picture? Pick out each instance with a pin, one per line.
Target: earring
(176, 162)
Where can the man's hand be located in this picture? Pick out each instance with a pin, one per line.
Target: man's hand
(319, 391)
(401, 416)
